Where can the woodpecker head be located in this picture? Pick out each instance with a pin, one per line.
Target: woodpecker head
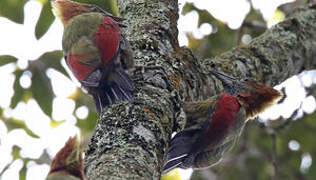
(65, 10)
(69, 159)
(253, 95)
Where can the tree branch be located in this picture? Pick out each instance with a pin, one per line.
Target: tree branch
(130, 139)
(282, 51)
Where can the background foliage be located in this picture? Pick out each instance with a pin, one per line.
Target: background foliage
(262, 152)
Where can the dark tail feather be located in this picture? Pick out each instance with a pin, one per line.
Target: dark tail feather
(103, 99)
(179, 150)
(120, 89)
(173, 163)
(123, 79)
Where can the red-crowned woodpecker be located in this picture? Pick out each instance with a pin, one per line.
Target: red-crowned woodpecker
(213, 126)
(96, 51)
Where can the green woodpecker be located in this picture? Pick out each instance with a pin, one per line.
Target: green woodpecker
(213, 126)
(96, 51)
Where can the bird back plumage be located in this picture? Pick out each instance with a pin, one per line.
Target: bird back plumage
(203, 143)
(98, 56)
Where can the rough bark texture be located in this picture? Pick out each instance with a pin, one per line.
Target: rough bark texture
(130, 139)
(282, 51)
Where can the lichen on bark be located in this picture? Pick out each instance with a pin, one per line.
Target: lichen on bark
(282, 51)
(130, 139)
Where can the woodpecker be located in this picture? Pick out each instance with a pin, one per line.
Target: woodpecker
(96, 51)
(213, 125)
(68, 163)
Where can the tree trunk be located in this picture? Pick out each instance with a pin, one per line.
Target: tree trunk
(130, 139)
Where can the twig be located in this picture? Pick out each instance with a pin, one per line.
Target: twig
(239, 35)
(274, 156)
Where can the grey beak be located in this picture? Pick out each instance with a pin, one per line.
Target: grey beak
(223, 77)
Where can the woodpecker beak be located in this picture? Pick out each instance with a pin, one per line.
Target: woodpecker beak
(94, 8)
(226, 80)
(231, 85)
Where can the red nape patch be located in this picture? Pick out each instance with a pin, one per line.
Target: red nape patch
(81, 71)
(107, 38)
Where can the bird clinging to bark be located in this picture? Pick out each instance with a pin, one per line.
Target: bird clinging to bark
(67, 163)
(213, 126)
(96, 51)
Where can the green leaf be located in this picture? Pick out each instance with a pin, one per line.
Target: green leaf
(312, 170)
(219, 41)
(16, 152)
(45, 20)
(13, 10)
(16, 124)
(83, 99)
(6, 59)
(188, 7)
(206, 17)
(53, 60)
(87, 125)
(18, 90)
(41, 88)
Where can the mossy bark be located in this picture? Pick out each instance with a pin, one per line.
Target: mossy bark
(130, 139)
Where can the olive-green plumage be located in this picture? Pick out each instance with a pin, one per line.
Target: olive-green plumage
(61, 176)
(78, 38)
(213, 125)
(96, 51)
(199, 110)
(211, 129)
